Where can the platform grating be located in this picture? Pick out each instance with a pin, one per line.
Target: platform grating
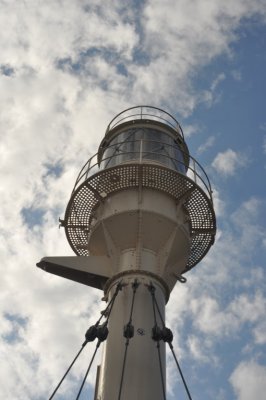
(86, 197)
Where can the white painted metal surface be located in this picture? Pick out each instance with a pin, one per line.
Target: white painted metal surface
(142, 379)
(142, 230)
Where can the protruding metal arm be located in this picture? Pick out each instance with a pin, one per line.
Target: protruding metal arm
(91, 271)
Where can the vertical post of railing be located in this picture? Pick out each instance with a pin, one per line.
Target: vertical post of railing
(194, 170)
(140, 112)
(140, 151)
(88, 168)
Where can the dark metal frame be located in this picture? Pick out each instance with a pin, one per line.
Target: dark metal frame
(168, 119)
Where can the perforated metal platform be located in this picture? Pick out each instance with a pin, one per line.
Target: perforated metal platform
(99, 186)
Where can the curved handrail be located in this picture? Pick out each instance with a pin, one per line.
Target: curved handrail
(172, 122)
(197, 172)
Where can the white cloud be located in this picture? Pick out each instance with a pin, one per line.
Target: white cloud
(190, 130)
(229, 266)
(252, 233)
(248, 212)
(260, 332)
(219, 204)
(220, 78)
(63, 87)
(201, 349)
(228, 162)
(249, 380)
(249, 309)
(207, 35)
(211, 319)
(205, 146)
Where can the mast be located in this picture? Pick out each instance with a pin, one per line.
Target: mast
(139, 217)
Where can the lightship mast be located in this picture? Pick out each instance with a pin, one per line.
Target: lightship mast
(140, 215)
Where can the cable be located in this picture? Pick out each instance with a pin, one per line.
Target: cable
(159, 312)
(89, 367)
(168, 337)
(94, 331)
(123, 369)
(105, 312)
(128, 334)
(161, 368)
(119, 286)
(102, 333)
(156, 335)
(180, 371)
(69, 368)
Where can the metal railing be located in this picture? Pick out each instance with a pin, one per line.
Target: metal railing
(145, 113)
(141, 155)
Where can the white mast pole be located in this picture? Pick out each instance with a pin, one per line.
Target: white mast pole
(140, 378)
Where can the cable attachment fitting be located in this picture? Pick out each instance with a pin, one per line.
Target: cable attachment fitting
(164, 334)
(91, 333)
(167, 335)
(157, 333)
(128, 331)
(135, 285)
(119, 286)
(102, 332)
(151, 289)
(181, 279)
(96, 331)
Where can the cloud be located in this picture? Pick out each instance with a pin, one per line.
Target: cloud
(210, 319)
(66, 69)
(190, 130)
(249, 380)
(228, 268)
(227, 162)
(219, 204)
(260, 332)
(90, 41)
(207, 35)
(220, 78)
(201, 352)
(205, 146)
(249, 211)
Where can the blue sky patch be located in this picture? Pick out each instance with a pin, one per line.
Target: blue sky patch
(17, 322)
(32, 216)
(7, 70)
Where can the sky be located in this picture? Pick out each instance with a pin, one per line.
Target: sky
(66, 69)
